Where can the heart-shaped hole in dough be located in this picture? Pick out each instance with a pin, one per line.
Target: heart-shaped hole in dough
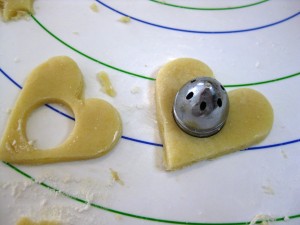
(46, 128)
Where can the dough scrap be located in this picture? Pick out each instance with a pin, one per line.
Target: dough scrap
(115, 176)
(125, 19)
(94, 7)
(249, 121)
(59, 80)
(27, 221)
(106, 84)
(15, 9)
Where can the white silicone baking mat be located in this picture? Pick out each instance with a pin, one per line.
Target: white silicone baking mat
(250, 43)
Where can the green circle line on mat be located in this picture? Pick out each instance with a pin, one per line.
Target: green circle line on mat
(209, 8)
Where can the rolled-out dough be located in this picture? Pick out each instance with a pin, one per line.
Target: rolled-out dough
(249, 121)
(59, 80)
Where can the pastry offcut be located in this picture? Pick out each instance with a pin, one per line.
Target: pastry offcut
(15, 9)
(97, 127)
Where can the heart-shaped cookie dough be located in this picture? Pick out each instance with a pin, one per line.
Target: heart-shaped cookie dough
(249, 121)
(59, 80)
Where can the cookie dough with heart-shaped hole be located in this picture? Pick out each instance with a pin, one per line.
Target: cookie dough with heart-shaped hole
(249, 121)
(59, 80)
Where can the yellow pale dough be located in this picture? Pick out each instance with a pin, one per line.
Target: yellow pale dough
(27, 221)
(13, 9)
(106, 84)
(59, 80)
(249, 121)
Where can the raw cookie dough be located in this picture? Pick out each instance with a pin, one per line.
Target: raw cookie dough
(125, 19)
(106, 84)
(14, 9)
(97, 124)
(27, 221)
(249, 121)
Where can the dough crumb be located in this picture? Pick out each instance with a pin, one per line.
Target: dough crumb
(31, 142)
(94, 7)
(118, 217)
(27, 221)
(262, 219)
(125, 19)
(286, 218)
(257, 43)
(135, 90)
(106, 84)
(268, 190)
(16, 60)
(284, 154)
(17, 188)
(43, 202)
(116, 177)
(139, 107)
(257, 64)
(84, 208)
(16, 9)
